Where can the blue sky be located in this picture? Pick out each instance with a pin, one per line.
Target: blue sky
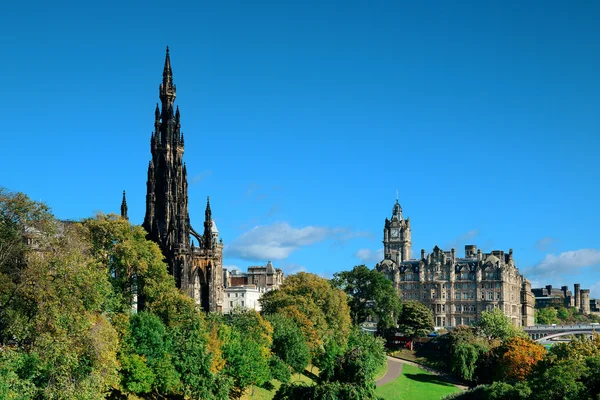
(302, 119)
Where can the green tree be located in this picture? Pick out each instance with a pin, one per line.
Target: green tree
(353, 374)
(364, 354)
(416, 319)
(546, 316)
(51, 300)
(560, 380)
(466, 350)
(494, 391)
(248, 351)
(320, 309)
(182, 364)
(370, 295)
(592, 377)
(146, 357)
(497, 325)
(289, 343)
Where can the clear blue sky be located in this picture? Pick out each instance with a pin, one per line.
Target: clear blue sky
(302, 119)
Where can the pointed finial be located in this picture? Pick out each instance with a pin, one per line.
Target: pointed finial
(208, 212)
(396, 195)
(208, 224)
(177, 115)
(124, 207)
(157, 112)
(167, 73)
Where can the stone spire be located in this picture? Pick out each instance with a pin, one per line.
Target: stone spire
(167, 89)
(124, 207)
(397, 210)
(207, 237)
(167, 219)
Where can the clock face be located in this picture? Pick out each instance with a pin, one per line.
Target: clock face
(395, 233)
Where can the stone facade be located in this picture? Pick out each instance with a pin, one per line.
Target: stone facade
(456, 289)
(267, 277)
(549, 296)
(198, 270)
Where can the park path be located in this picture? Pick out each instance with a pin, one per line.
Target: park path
(394, 369)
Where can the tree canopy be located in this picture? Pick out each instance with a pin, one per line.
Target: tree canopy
(416, 319)
(370, 295)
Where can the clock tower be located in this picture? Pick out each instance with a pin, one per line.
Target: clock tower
(397, 236)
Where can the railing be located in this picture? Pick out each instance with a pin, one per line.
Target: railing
(561, 327)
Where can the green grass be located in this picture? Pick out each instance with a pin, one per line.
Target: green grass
(264, 394)
(416, 384)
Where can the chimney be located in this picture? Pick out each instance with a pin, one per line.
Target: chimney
(470, 250)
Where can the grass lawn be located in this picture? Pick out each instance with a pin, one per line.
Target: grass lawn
(264, 394)
(416, 384)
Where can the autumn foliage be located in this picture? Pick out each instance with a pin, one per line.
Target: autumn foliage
(521, 355)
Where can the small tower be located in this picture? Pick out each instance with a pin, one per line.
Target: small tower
(124, 207)
(397, 240)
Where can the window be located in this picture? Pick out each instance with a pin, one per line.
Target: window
(457, 296)
(242, 303)
(465, 296)
(490, 296)
(242, 294)
(228, 294)
(236, 295)
(231, 304)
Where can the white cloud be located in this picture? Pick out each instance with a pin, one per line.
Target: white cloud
(277, 241)
(545, 244)
(567, 262)
(368, 256)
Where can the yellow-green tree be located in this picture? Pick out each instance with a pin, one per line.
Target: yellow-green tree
(51, 302)
(312, 298)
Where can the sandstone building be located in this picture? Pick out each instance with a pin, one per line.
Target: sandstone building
(457, 289)
(198, 270)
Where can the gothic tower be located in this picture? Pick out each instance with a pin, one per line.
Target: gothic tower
(197, 270)
(124, 207)
(167, 220)
(397, 236)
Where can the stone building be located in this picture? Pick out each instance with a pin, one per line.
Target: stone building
(198, 270)
(549, 296)
(243, 297)
(457, 289)
(267, 277)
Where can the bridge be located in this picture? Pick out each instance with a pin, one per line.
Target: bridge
(545, 334)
